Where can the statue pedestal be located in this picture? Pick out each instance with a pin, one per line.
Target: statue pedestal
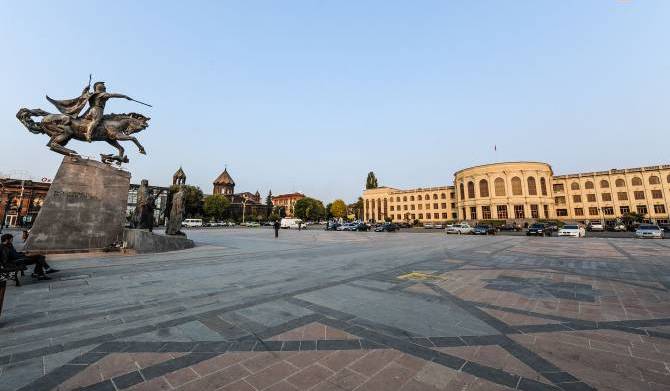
(143, 241)
(84, 210)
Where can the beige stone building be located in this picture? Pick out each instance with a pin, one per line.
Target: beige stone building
(527, 191)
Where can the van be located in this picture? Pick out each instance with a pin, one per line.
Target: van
(192, 223)
(291, 223)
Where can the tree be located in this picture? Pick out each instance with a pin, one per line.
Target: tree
(329, 214)
(216, 206)
(357, 208)
(338, 209)
(268, 204)
(371, 182)
(309, 209)
(628, 219)
(193, 198)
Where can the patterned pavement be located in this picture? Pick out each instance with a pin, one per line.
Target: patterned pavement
(321, 310)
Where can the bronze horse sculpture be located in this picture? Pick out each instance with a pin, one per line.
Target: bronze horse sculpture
(62, 128)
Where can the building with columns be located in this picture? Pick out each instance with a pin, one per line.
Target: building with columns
(528, 191)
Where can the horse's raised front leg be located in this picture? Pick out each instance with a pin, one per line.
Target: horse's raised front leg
(124, 137)
(120, 158)
(57, 144)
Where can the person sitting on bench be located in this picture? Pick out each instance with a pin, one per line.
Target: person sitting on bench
(41, 266)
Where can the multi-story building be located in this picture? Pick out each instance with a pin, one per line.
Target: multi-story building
(527, 191)
(287, 201)
(21, 200)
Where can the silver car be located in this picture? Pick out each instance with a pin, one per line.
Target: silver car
(649, 231)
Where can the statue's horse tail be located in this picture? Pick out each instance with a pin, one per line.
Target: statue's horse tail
(25, 116)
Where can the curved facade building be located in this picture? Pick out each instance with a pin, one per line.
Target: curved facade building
(527, 191)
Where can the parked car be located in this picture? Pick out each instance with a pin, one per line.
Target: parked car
(595, 226)
(617, 228)
(649, 231)
(538, 229)
(387, 227)
(192, 223)
(459, 229)
(288, 223)
(438, 226)
(217, 224)
(484, 229)
(404, 225)
(348, 227)
(574, 230)
(665, 228)
(428, 225)
(330, 226)
(510, 227)
(362, 227)
(551, 226)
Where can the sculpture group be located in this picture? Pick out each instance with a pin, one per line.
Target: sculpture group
(92, 125)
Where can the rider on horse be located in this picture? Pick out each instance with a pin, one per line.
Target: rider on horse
(96, 106)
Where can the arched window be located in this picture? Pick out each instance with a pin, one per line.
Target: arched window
(443, 196)
(588, 185)
(499, 185)
(620, 183)
(543, 186)
(471, 190)
(411, 198)
(419, 197)
(532, 188)
(574, 186)
(462, 192)
(636, 181)
(654, 180)
(483, 188)
(604, 184)
(404, 198)
(516, 186)
(435, 196)
(668, 179)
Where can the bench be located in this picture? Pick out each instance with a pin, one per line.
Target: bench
(11, 272)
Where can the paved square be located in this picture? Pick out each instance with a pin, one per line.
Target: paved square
(318, 310)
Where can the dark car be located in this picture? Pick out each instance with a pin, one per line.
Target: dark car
(332, 226)
(388, 227)
(538, 230)
(404, 225)
(510, 227)
(362, 227)
(551, 226)
(484, 229)
(665, 227)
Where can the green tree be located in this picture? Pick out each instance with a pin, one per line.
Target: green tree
(309, 209)
(193, 198)
(216, 206)
(371, 182)
(268, 204)
(357, 208)
(338, 209)
(630, 218)
(329, 214)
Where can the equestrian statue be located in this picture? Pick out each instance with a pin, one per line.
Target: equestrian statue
(92, 125)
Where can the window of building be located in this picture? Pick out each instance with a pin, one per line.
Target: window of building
(419, 197)
(452, 196)
(534, 212)
(453, 205)
(608, 211)
(558, 188)
(501, 210)
(420, 216)
(660, 209)
(436, 216)
(516, 186)
(483, 188)
(561, 212)
(426, 197)
(420, 206)
(428, 216)
(636, 181)
(435, 196)
(642, 209)
(444, 205)
(391, 207)
(546, 211)
(591, 198)
(464, 215)
(657, 194)
(604, 184)
(606, 196)
(486, 212)
(576, 198)
(404, 207)
(404, 198)
(532, 188)
(499, 185)
(462, 188)
(411, 198)
(624, 210)
(471, 190)
(427, 206)
(412, 207)
(654, 180)
(574, 186)
(398, 217)
(435, 206)
(413, 216)
(519, 212)
(639, 195)
(445, 215)
(473, 213)
(543, 186)
(620, 183)
(579, 212)
(668, 178)
(443, 196)
(622, 196)
(588, 185)
(593, 211)
(397, 199)
(560, 200)
(454, 215)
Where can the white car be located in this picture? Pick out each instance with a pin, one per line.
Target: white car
(428, 225)
(574, 230)
(459, 229)
(192, 223)
(649, 231)
(596, 226)
(291, 223)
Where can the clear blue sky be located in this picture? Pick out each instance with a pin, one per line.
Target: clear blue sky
(311, 95)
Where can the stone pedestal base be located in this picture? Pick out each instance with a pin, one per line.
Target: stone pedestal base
(143, 241)
(84, 210)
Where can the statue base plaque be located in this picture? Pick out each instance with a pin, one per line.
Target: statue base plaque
(84, 210)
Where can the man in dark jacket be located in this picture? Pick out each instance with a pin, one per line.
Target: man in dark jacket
(9, 254)
(276, 227)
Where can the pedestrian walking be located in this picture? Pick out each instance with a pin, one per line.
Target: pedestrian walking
(276, 227)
